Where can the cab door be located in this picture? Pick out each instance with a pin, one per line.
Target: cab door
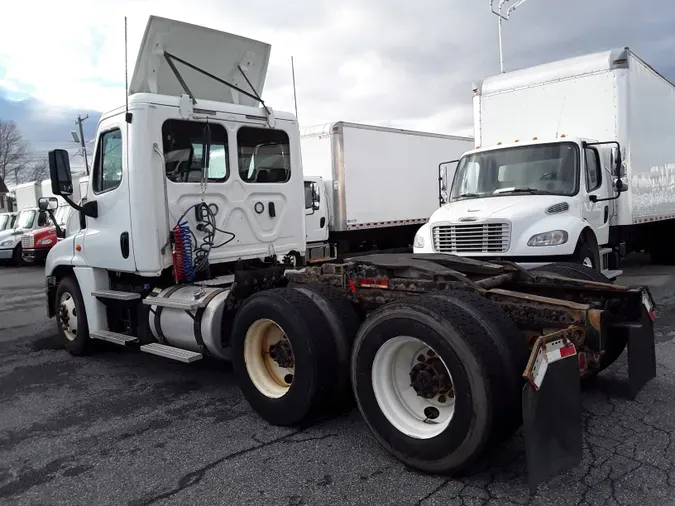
(316, 219)
(596, 182)
(107, 238)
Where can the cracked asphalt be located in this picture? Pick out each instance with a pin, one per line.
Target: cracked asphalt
(122, 427)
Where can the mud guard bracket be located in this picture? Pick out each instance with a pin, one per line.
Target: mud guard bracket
(551, 403)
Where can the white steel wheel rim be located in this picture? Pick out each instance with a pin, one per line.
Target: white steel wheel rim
(397, 399)
(271, 379)
(68, 316)
(588, 262)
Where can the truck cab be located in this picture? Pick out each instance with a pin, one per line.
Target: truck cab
(7, 220)
(531, 202)
(35, 244)
(10, 240)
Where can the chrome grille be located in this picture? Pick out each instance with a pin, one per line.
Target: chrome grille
(27, 241)
(472, 238)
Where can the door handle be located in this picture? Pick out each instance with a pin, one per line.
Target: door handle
(124, 244)
(271, 209)
(606, 214)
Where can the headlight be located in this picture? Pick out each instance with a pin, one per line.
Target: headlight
(552, 238)
(419, 241)
(45, 242)
(8, 242)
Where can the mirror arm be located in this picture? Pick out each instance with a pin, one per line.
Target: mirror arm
(88, 209)
(59, 231)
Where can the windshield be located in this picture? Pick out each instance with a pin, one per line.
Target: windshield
(25, 219)
(550, 169)
(4, 221)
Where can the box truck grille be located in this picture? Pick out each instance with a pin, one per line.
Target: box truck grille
(27, 242)
(472, 238)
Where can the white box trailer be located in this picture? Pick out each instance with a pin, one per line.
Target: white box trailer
(551, 208)
(27, 195)
(377, 184)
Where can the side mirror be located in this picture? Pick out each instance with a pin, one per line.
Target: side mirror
(48, 203)
(618, 162)
(59, 172)
(315, 198)
(620, 186)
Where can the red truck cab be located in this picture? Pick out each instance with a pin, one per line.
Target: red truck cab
(35, 244)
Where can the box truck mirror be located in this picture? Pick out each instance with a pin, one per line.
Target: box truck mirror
(620, 186)
(48, 203)
(59, 172)
(616, 157)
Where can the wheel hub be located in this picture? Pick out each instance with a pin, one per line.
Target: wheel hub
(282, 354)
(430, 379)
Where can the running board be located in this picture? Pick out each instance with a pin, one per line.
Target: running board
(112, 337)
(116, 295)
(171, 352)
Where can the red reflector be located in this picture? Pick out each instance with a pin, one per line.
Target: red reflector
(352, 288)
(652, 315)
(373, 283)
(567, 351)
(582, 361)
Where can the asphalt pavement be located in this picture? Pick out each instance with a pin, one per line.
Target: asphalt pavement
(123, 427)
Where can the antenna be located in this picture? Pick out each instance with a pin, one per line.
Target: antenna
(295, 97)
(126, 73)
(498, 12)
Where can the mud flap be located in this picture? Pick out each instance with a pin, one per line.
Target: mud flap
(641, 348)
(551, 404)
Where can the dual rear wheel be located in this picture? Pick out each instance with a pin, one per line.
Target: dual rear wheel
(436, 377)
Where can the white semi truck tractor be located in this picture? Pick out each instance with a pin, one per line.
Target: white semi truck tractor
(574, 162)
(193, 209)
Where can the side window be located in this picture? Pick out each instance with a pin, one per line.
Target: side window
(263, 155)
(183, 145)
(311, 194)
(108, 164)
(593, 170)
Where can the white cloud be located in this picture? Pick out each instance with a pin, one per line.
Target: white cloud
(408, 64)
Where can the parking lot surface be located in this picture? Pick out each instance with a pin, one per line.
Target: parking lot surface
(123, 427)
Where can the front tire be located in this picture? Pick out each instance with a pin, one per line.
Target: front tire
(17, 256)
(441, 417)
(587, 256)
(71, 317)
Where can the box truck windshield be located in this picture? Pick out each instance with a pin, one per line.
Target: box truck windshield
(550, 169)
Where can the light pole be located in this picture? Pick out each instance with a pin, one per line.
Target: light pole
(500, 5)
(81, 140)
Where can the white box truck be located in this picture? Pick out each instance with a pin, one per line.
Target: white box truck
(370, 187)
(195, 203)
(27, 194)
(576, 163)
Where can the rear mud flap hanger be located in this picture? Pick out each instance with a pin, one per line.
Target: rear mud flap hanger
(188, 101)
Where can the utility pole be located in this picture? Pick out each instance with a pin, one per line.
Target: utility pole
(512, 7)
(84, 147)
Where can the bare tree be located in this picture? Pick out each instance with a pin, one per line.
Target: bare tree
(37, 171)
(13, 151)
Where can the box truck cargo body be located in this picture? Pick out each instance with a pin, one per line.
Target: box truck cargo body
(373, 186)
(554, 140)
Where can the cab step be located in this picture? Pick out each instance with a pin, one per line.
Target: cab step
(112, 337)
(161, 350)
(605, 251)
(116, 295)
(612, 274)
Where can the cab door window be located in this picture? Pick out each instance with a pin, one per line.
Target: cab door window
(107, 173)
(263, 155)
(593, 170)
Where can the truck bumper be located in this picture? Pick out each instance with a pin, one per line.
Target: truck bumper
(37, 255)
(6, 254)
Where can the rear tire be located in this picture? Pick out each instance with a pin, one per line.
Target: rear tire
(512, 348)
(344, 324)
(397, 416)
(285, 390)
(71, 317)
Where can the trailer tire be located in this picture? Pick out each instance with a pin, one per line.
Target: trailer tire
(468, 355)
(576, 271)
(70, 309)
(311, 388)
(344, 324)
(512, 348)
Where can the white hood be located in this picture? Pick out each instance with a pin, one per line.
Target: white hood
(218, 53)
(508, 207)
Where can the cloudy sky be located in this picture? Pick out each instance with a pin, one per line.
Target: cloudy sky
(391, 62)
